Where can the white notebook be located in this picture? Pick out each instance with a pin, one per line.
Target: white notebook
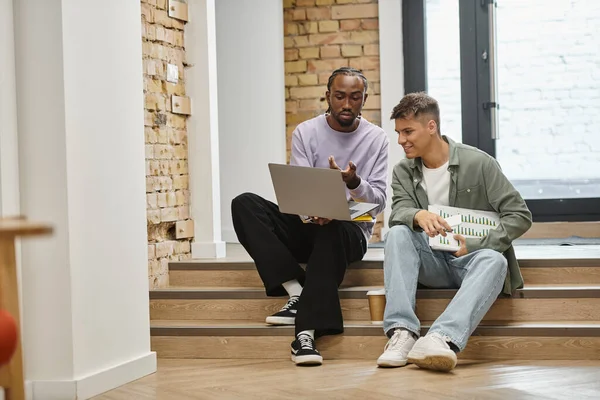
(469, 223)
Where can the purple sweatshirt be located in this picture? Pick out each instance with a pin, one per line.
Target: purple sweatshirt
(313, 141)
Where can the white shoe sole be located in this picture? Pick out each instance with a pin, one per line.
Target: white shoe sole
(281, 320)
(388, 363)
(436, 362)
(312, 359)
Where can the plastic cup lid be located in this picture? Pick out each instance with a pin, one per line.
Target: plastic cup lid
(377, 292)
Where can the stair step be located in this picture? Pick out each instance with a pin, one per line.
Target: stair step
(539, 265)
(360, 292)
(216, 309)
(218, 339)
(243, 275)
(531, 304)
(234, 277)
(528, 256)
(363, 328)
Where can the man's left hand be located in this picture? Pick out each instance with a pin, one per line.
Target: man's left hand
(348, 175)
(463, 246)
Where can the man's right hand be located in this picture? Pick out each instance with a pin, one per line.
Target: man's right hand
(432, 223)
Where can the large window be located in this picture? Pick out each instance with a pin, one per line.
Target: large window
(549, 95)
(443, 63)
(530, 96)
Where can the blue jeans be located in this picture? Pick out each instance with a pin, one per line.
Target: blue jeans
(478, 276)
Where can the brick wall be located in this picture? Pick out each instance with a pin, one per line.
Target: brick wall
(320, 36)
(166, 140)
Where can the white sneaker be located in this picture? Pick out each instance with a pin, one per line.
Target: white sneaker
(433, 352)
(396, 350)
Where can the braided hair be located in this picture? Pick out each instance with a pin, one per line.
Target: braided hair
(348, 71)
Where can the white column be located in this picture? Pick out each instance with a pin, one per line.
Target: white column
(80, 114)
(46, 285)
(9, 160)
(392, 83)
(203, 130)
(251, 99)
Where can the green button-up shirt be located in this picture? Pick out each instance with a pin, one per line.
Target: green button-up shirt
(477, 183)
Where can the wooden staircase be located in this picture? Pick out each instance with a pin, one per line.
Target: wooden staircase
(217, 308)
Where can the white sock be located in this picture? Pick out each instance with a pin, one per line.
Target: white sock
(310, 333)
(404, 329)
(293, 287)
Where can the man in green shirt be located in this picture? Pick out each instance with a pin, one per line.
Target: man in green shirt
(439, 171)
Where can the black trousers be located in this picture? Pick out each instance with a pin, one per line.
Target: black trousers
(278, 242)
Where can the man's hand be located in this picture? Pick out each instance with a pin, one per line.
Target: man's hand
(463, 246)
(432, 224)
(320, 221)
(348, 175)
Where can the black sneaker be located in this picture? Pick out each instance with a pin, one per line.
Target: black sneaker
(287, 314)
(304, 351)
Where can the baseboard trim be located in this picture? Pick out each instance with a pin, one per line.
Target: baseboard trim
(229, 235)
(94, 384)
(116, 376)
(208, 250)
(53, 390)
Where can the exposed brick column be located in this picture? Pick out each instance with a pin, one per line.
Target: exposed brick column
(166, 137)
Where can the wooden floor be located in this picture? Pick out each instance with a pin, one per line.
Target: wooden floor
(343, 379)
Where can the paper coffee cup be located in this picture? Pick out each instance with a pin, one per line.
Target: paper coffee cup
(376, 305)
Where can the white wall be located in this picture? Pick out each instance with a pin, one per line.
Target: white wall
(80, 109)
(107, 203)
(46, 286)
(251, 99)
(9, 162)
(392, 83)
(203, 130)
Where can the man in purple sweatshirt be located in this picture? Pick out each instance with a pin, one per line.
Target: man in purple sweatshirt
(278, 242)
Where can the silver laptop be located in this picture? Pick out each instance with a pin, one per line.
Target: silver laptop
(315, 192)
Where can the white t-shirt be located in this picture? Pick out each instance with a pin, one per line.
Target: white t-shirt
(436, 183)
